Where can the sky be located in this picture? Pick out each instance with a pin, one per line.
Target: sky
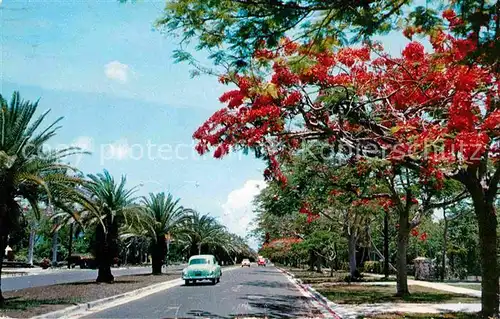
(103, 67)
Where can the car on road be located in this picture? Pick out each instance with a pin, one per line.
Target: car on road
(202, 267)
(261, 262)
(245, 263)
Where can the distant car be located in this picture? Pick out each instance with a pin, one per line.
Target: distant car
(202, 267)
(261, 262)
(245, 263)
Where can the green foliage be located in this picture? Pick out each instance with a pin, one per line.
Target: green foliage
(239, 26)
(26, 170)
(374, 267)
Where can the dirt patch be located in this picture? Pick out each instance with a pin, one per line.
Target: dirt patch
(30, 302)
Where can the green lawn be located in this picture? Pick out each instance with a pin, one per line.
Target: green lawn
(360, 294)
(422, 316)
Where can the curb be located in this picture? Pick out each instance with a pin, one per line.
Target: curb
(333, 310)
(84, 309)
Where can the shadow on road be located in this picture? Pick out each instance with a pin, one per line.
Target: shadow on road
(267, 284)
(204, 314)
(283, 306)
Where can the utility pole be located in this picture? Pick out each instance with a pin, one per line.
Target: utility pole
(70, 248)
(31, 243)
(168, 238)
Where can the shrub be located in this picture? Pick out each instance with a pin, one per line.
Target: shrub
(344, 266)
(374, 267)
(45, 263)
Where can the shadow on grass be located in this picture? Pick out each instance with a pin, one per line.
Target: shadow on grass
(17, 303)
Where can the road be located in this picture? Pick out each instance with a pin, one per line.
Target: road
(65, 276)
(256, 292)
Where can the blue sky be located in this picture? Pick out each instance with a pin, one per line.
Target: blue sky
(104, 68)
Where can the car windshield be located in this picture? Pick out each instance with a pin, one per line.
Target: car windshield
(198, 261)
(245, 260)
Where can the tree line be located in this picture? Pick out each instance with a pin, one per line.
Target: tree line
(38, 187)
(418, 132)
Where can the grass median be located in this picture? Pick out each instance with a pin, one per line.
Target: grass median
(30, 302)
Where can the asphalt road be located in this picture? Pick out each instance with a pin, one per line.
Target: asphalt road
(65, 276)
(255, 292)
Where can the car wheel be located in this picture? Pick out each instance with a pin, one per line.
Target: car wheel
(218, 280)
(214, 281)
(187, 282)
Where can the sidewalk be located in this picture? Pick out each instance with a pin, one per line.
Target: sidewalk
(371, 309)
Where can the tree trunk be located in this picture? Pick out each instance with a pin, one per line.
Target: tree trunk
(403, 233)
(386, 245)
(168, 252)
(158, 254)
(352, 255)
(2, 249)
(445, 244)
(199, 249)
(487, 222)
(312, 260)
(104, 256)
(70, 246)
(336, 254)
(332, 265)
(156, 260)
(319, 262)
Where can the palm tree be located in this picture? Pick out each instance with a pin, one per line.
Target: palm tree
(26, 170)
(203, 231)
(110, 206)
(160, 215)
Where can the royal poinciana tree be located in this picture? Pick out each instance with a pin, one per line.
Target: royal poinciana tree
(427, 112)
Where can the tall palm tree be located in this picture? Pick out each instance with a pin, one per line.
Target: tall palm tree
(203, 231)
(160, 215)
(26, 170)
(111, 203)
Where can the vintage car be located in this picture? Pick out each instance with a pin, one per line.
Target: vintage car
(245, 263)
(261, 262)
(202, 267)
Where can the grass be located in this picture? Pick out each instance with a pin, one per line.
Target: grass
(455, 315)
(360, 294)
(29, 302)
(18, 303)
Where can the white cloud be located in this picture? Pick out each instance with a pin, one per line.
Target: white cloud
(238, 208)
(117, 71)
(85, 143)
